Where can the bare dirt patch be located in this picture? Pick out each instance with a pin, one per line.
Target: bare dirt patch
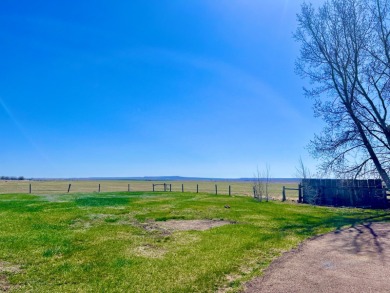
(6, 269)
(165, 228)
(187, 225)
(356, 259)
(4, 284)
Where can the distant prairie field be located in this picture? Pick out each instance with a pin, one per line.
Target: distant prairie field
(61, 186)
(151, 241)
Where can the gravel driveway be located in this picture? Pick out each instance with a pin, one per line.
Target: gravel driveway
(354, 260)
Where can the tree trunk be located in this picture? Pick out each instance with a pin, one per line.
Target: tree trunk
(385, 177)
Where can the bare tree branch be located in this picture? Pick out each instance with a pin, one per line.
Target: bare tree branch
(345, 53)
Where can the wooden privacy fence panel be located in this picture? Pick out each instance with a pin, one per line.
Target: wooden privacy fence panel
(339, 192)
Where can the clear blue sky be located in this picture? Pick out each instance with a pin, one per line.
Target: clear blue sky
(145, 88)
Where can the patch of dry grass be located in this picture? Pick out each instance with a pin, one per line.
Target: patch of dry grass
(188, 225)
(149, 251)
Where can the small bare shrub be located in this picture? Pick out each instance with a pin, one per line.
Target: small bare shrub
(261, 183)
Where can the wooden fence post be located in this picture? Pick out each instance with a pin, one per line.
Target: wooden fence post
(30, 188)
(99, 188)
(216, 189)
(197, 188)
(165, 187)
(182, 188)
(153, 187)
(170, 187)
(254, 192)
(300, 193)
(230, 191)
(284, 194)
(70, 185)
(128, 187)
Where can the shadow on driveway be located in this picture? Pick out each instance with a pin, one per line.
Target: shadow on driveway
(356, 259)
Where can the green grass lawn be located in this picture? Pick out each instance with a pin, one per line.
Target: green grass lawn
(100, 243)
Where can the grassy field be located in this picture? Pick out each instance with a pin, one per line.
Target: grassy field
(109, 242)
(78, 186)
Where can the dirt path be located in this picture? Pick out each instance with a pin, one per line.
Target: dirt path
(352, 260)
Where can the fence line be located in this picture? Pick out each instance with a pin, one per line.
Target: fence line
(88, 186)
(30, 188)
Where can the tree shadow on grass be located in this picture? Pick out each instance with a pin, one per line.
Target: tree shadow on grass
(307, 225)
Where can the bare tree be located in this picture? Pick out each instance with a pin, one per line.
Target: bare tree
(258, 186)
(302, 171)
(345, 53)
(261, 182)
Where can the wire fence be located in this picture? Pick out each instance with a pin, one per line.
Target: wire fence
(244, 188)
